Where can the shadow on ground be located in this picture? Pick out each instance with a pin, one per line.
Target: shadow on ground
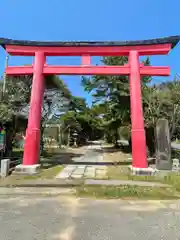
(53, 159)
(46, 163)
(121, 148)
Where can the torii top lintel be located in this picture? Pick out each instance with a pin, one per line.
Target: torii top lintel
(100, 48)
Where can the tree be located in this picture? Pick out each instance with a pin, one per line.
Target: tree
(163, 101)
(81, 119)
(14, 100)
(15, 103)
(112, 94)
(55, 100)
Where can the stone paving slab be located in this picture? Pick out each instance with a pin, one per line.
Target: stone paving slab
(100, 177)
(101, 167)
(90, 169)
(79, 171)
(67, 168)
(84, 171)
(66, 172)
(81, 166)
(100, 171)
(90, 173)
(91, 166)
(76, 176)
(64, 175)
(89, 176)
(71, 166)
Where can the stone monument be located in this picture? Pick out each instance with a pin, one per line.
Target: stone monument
(175, 165)
(5, 163)
(163, 145)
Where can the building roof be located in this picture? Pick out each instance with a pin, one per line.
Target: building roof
(172, 40)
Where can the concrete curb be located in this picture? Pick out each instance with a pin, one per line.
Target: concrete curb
(125, 183)
(75, 183)
(62, 183)
(35, 185)
(36, 191)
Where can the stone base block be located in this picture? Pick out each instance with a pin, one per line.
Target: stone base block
(27, 169)
(142, 171)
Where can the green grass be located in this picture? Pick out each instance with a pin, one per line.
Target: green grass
(121, 173)
(48, 173)
(127, 192)
(172, 179)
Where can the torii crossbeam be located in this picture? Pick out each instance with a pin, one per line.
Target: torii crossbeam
(132, 49)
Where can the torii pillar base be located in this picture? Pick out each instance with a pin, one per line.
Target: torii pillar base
(26, 169)
(142, 171)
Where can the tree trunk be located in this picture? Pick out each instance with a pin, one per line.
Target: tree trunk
(69, 137)
(116, 136)
(11, 130)
(42, 141)
(59, 136)
(9, 145)
(150, 141)
(130, 144)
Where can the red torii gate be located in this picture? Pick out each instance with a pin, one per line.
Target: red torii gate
(132, 49)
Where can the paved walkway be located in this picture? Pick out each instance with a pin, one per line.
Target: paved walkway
(77, 171)
(67, 218)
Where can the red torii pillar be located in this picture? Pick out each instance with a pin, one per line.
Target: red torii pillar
(32, 140)
(132, 69)
(138, 136)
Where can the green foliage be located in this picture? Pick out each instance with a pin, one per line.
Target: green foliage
(111, 93)
(126, 192)
(162, 101)
(77, 104)
(85, 123)
(112, 101)
(109, 115)
(14, 104)
(15, 98)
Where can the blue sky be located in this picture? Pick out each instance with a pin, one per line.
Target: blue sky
(90, 20)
